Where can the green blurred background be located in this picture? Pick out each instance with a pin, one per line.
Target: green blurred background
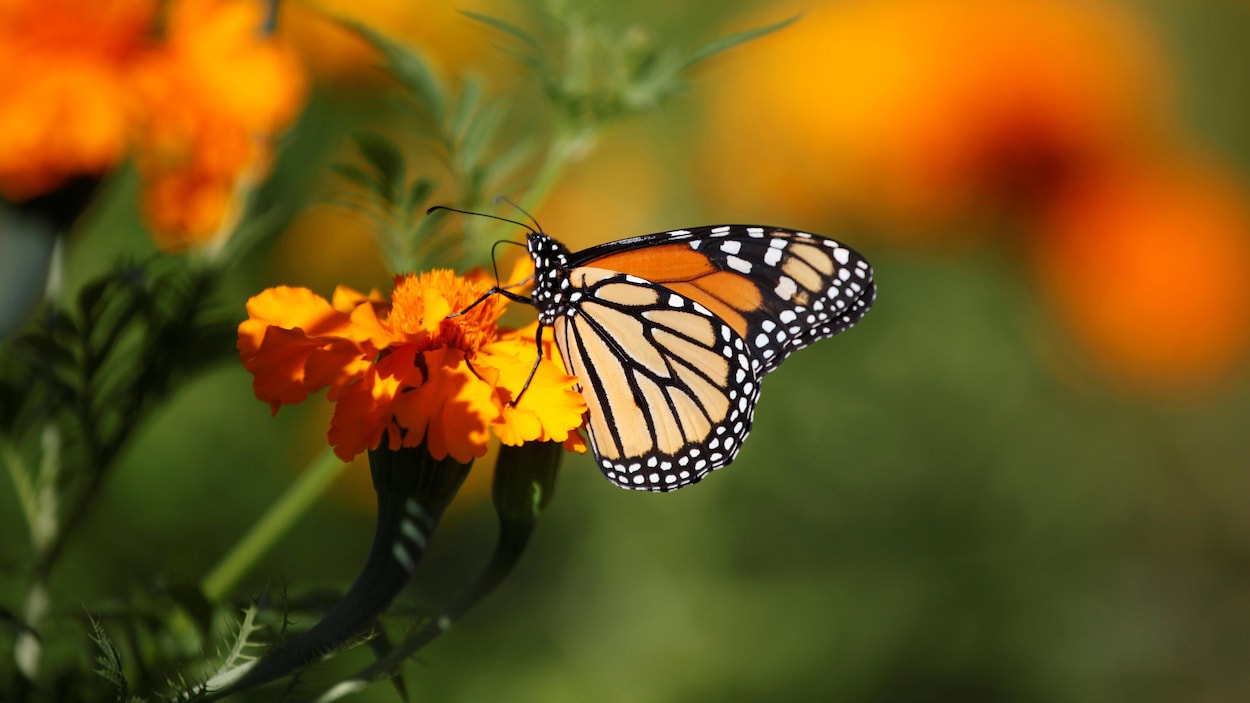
(965, 498)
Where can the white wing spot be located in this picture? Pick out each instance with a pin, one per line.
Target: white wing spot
(786, 288)
(738, 264)
(731, 247)
(772, 257)
(676, 300)
(842, 255)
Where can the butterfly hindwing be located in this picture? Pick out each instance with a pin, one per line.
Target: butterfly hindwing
(670, 387)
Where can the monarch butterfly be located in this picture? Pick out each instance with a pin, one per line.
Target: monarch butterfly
(669, 335)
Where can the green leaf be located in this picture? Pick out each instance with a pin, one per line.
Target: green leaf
(356, 176)
(418, 192)
(386, 159)
(535, 63)
(109, 660)
(408, 68)
(466, 106)
(716, 46)
(42, 351)
(93, 297)
(504, 26)
(479, 135)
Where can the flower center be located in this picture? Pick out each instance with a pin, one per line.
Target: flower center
(421, 303)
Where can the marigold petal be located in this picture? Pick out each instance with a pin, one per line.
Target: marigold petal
(366, 326)
(550, 407)
(576, 443)
(290, 308)
(278, 370)
(281, 366)
(451, 412)
(363, 414)
(294, 343)
(347, 299)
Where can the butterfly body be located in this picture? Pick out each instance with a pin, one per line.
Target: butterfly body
(669, 335)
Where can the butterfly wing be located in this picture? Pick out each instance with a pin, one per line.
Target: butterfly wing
(778, 289)
(670, 387)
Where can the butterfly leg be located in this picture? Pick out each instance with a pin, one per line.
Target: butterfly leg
(496, 290)
(538, 341)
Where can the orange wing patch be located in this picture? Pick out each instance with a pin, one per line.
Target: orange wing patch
(688, 273)
(667, 262)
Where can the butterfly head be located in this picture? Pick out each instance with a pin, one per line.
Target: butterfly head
(551, 266)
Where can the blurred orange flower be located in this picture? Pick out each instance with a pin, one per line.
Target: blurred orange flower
(68, 108)
(1150, 265)
(910, 111)
(215, 90)
(88, 83)
(404, 370)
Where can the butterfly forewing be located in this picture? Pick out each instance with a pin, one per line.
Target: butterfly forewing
(669, 386)
(780, 290)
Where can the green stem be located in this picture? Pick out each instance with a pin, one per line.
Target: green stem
(513, 538)
(272, 526)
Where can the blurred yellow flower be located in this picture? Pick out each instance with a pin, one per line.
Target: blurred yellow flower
(1150, 265)
(910, 111)
(194, 94)
(405, 371)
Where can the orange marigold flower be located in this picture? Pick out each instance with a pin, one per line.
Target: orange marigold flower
(67, 108)
(215, 91)
(1150, 265)
(193, 94)
(403, 370)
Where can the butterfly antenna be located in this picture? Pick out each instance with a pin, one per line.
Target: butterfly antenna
(482, 214)
(495, 264)
(506, 199)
